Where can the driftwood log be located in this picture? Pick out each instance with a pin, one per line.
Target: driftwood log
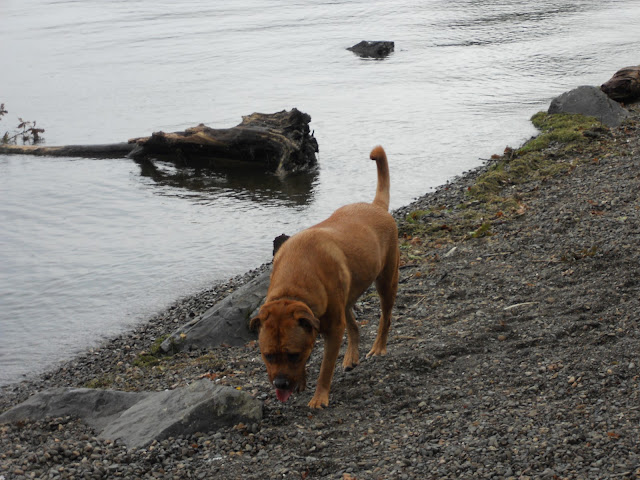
(280, 142)
(109, 150)
(624, 86)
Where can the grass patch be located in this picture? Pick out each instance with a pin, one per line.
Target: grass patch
(557, 150)
(562, 128)
(100, 382)
(155, 349)
(210, 362)
(145, 360)
(483, 230)
(417, 215)
(563, 131)
(155, 354)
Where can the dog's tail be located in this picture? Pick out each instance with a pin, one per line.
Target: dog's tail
(382, 190)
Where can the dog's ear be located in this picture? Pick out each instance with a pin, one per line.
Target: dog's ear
(308, 321)
(254, 324)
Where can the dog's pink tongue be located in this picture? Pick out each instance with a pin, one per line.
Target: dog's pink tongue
(283, 395)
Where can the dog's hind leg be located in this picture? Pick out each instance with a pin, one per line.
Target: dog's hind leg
(351, 356)
(387, 287)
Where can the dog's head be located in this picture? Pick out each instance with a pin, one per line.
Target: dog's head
(287, 333)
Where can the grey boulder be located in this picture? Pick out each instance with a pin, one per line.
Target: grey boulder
(227, 322)
(200, 407)
(590, 101)
(137, 419)
(97, 407)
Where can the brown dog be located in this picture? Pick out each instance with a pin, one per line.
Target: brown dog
(318, 274)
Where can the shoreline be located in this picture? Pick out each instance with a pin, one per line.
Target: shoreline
(144, 334)
(513, 350)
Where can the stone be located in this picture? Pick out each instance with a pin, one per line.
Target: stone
(373, 49)
(139, 418)
(98, 406)
(227, 322)
(590, 101)
(199, 407)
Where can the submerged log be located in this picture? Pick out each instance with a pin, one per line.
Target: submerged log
(280, 142)
(624, 86)
(109, 150)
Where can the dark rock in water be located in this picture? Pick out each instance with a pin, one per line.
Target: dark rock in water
(624, 86)
(375, 49)
(139, 418)
(280, 142)
(227, 322)
(590, 101)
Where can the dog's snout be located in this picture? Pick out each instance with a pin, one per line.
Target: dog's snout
(281, 383)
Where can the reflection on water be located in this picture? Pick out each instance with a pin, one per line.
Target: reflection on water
(244, 181)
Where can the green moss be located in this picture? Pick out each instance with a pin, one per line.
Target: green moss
(490, 183)
(155, 346)
(146, 360)
(563, 128)
(416, 215)
(210, 362)
(155, 355)
(483, 230)
(100, 382)
(564, 141)
(531, 162)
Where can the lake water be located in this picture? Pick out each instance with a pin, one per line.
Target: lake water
(90, 247)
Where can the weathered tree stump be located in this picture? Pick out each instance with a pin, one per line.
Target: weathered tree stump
(624, 86)
(280, 142)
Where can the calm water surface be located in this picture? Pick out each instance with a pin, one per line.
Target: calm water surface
(89, 247)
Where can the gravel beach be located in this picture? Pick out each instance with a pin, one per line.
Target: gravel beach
(513, 353)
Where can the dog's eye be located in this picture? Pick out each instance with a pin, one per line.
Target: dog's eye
(270, 358)
(293, 357)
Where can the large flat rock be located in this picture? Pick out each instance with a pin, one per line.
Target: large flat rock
(200, 407)
(97, 407)
(139, 418)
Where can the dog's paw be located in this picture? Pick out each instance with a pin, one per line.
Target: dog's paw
(377, 351)
(349, 367)
(350, 362)
(319, 401)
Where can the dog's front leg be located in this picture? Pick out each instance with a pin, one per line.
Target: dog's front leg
(332, 343)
